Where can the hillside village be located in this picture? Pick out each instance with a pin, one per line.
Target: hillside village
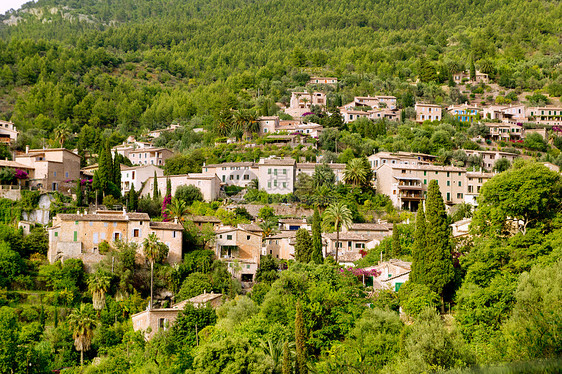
(211, 187)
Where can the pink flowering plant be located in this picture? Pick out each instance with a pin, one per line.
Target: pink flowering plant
(20, 174)
(167, 200)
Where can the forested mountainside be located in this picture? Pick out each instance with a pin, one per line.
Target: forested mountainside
(118, 64)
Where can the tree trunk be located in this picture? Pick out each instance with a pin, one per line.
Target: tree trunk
(81, 358)
(151, 282)
(442, 305)
(337, 242)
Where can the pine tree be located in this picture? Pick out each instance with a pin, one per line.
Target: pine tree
(317, 255)
(300, 364)
(286, 368)
(418, 250)
(439, 262)
(155, 192)
(303, 246)
(395, 240)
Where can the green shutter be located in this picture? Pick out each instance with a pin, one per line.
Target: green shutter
(75, 236)
(397, 286)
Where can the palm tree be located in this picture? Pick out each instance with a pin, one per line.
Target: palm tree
(338, 215)
(98, 284)
(355, 172)
(82, 325)
(177, 209)
(224, 123)
(61, 134)
(269, 227)
(154, 250)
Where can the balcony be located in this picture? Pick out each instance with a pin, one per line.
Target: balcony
(410, 195)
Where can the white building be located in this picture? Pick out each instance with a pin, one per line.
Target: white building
(209, 184)
(138, 175)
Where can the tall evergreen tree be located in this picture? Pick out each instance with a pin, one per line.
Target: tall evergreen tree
(116, 172)
(168, 187)
(418, 250)
(317, 255)
(79, 193)
(155, 192)
(105, 169)
(438, 259)
(472, 70)
(303, 246)
(300, 364)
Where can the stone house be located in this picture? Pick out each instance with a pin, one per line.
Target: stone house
(491, 157)
(153, 320)
(137, 176)
(55, 169)
(240, 249)
(548, 115)
(400, 158)
(8, 132)
(233, 173)
(302, 102)
(268, 124)
(277, 175)
(393, 274)
(209, 184)
(129, 146)
(280, 245)
(150, 156)
(465, 112)
(323, 80)
(462, 77)
(350, 245)
(428, 112)
(79, 235)
(376, 229)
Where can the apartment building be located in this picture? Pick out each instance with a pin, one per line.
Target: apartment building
(79, 235)
(8, 132)
(428, 112)
(150, 156)
(548, 115)
(474, 182)
(137, 176)
(406, 185)
(209, 184)
(240, 249)
(491, 157)
(55, 169)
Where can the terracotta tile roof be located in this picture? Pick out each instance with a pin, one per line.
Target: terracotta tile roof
(165, 226)
(118, 216)
(204, 219)
(14, 164)
(229, 164)
(250, 227)
(278, 162)
(368, 227)
(353, 236)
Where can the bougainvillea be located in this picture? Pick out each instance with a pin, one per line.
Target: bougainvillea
(358, 272)
(20, 174)
(167, 200)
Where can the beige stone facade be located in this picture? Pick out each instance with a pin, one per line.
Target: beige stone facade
(8, 132)
(137, 176)
(151, 321)
(240, 249)
(491, 157)
(79, 235)
(55, 169)
(150, 156)
(428, 112)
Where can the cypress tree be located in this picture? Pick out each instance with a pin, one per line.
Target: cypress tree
(286, 368)
(155, 192)
(395, 240)
(303, 246)
(117, 172)
(168, 187)
(438, 259)
(79, 193)
(418, 250)
(317, 255)
(300, 364)
(472, 70)
(105, 169)
(133, 200)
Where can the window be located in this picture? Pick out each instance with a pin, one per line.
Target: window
(231, 177)
(459, 196)
(436, 173)
(448, 174)
(75, 236)
(448, 196)
(275, 183)
(268, 184)
(229, 237)
(268, 171)
(105, 224)
(136, 233)
(66, 174)
(56, 234)
(114, 224)
(460, 184)
(274, 171)
(448, 183)
(54, 173)
(284, 171)
(247, 237)
(246, 177)
(425, 181)
(174, 234)
(284, 184)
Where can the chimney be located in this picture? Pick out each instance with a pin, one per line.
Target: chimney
(26, 149)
